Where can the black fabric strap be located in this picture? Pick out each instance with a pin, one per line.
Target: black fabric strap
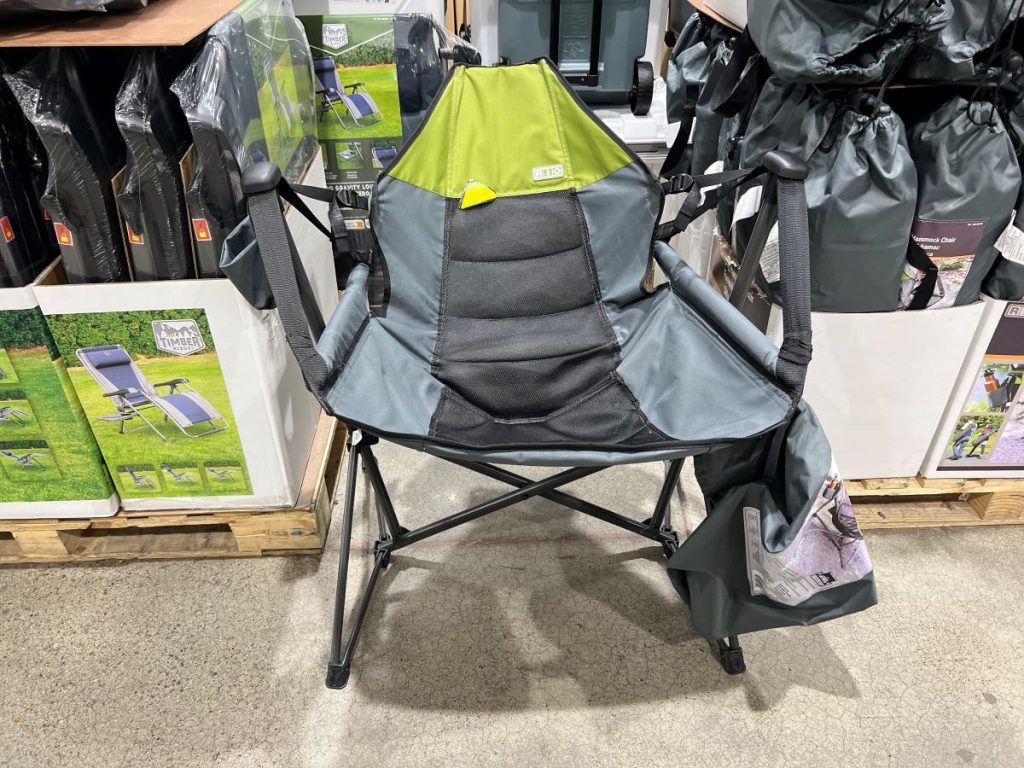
(698, 201)
(918, 259)
(795, 288)
(300, 318)
(737, 85)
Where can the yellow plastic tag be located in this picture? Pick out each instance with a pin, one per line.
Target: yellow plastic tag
(476, 193)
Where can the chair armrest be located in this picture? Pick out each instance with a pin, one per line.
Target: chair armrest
(117, 393)
(355, 86)
(172, 383)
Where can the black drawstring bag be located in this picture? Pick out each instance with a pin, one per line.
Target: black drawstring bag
(968, 181)
(950, 52)
(830, 41)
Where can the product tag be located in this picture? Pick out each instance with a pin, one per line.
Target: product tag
(1011, 244)
(770, 257)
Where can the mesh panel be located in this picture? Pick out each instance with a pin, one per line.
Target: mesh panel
(609, 413)
(516, 228)
(520, 288)
(525, 338)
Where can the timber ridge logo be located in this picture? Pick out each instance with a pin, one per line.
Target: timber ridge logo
(179, 337)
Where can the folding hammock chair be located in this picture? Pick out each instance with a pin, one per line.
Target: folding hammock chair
(355, 98)
(124, 383)
(517, 233)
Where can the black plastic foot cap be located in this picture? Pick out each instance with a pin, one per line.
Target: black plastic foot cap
(732, 661)
(337, 675)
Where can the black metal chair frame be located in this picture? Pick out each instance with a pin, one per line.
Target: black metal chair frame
(394, 536)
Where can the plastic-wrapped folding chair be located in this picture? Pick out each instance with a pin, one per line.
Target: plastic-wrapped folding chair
(517, 235)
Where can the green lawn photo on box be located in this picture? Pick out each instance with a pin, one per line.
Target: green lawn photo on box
(7, 373)
(151, 385)
(52, 456)
(357, 96)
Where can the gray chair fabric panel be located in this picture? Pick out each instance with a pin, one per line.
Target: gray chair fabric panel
(690, 383)
(619, 210)
(348, 317)
(386, 385)
(412, 253)
(700, 294)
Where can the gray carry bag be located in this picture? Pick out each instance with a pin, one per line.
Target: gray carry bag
(951, 52)
(839, 41)
(861, 192)
(1005, 281)
(968, 181)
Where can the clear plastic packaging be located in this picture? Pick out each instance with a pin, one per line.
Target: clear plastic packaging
(72, 110)
(248, 97)
(152, 198)
(26, 241)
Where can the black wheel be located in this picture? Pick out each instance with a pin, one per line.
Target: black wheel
(642, 92)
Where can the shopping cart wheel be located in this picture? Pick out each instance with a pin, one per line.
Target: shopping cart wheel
(642, 92)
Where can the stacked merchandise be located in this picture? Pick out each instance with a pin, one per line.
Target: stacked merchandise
(902, 111)
(127, 162)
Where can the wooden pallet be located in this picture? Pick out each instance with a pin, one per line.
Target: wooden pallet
(915, 502)
(301, 529)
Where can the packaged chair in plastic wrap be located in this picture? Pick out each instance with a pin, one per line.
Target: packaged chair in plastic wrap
(12, 8)
(825, 41)
(72, 109)
(950, 53)
(861, 191)
(571, 361)
(248, 97)
(968, 182)
(152, 197)
(26, 239)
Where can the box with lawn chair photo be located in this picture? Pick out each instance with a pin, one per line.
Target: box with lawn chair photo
(49, 461)
(188, 389)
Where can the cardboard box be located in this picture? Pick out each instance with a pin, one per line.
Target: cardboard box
(981, 433)
(50, 465)
(880, 382)
(141, 339)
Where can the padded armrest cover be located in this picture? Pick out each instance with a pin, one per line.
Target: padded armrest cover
(349, 316)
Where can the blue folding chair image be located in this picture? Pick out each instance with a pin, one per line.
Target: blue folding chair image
(356, 99)
(130, 391)
(382, 156)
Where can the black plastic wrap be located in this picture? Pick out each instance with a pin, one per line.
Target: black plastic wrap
(26, 239)
(72, 110)
(248, 97)
(18, 8)
(152, 199)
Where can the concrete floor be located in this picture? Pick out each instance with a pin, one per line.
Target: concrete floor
(535, 637)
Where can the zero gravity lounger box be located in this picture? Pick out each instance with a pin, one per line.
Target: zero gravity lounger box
(194, 399)
(50, 465)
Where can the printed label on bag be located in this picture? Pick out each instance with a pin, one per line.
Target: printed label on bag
(951, 246)
(770, 257)
(6, 229)
(548, 172)
(1011, 243)
(828, 550)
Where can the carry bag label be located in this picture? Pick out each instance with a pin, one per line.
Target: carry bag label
(548, 172)
(828, 550)
(951, 245)
(1011, 243)
(770, 257)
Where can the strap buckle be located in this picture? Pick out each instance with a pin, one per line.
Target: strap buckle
(349, 198)
(679, 183)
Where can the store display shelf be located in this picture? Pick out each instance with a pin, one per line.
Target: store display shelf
(916, 502)
(301, 529)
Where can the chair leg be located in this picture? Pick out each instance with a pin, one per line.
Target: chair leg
(340, 665)
(730, 654)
